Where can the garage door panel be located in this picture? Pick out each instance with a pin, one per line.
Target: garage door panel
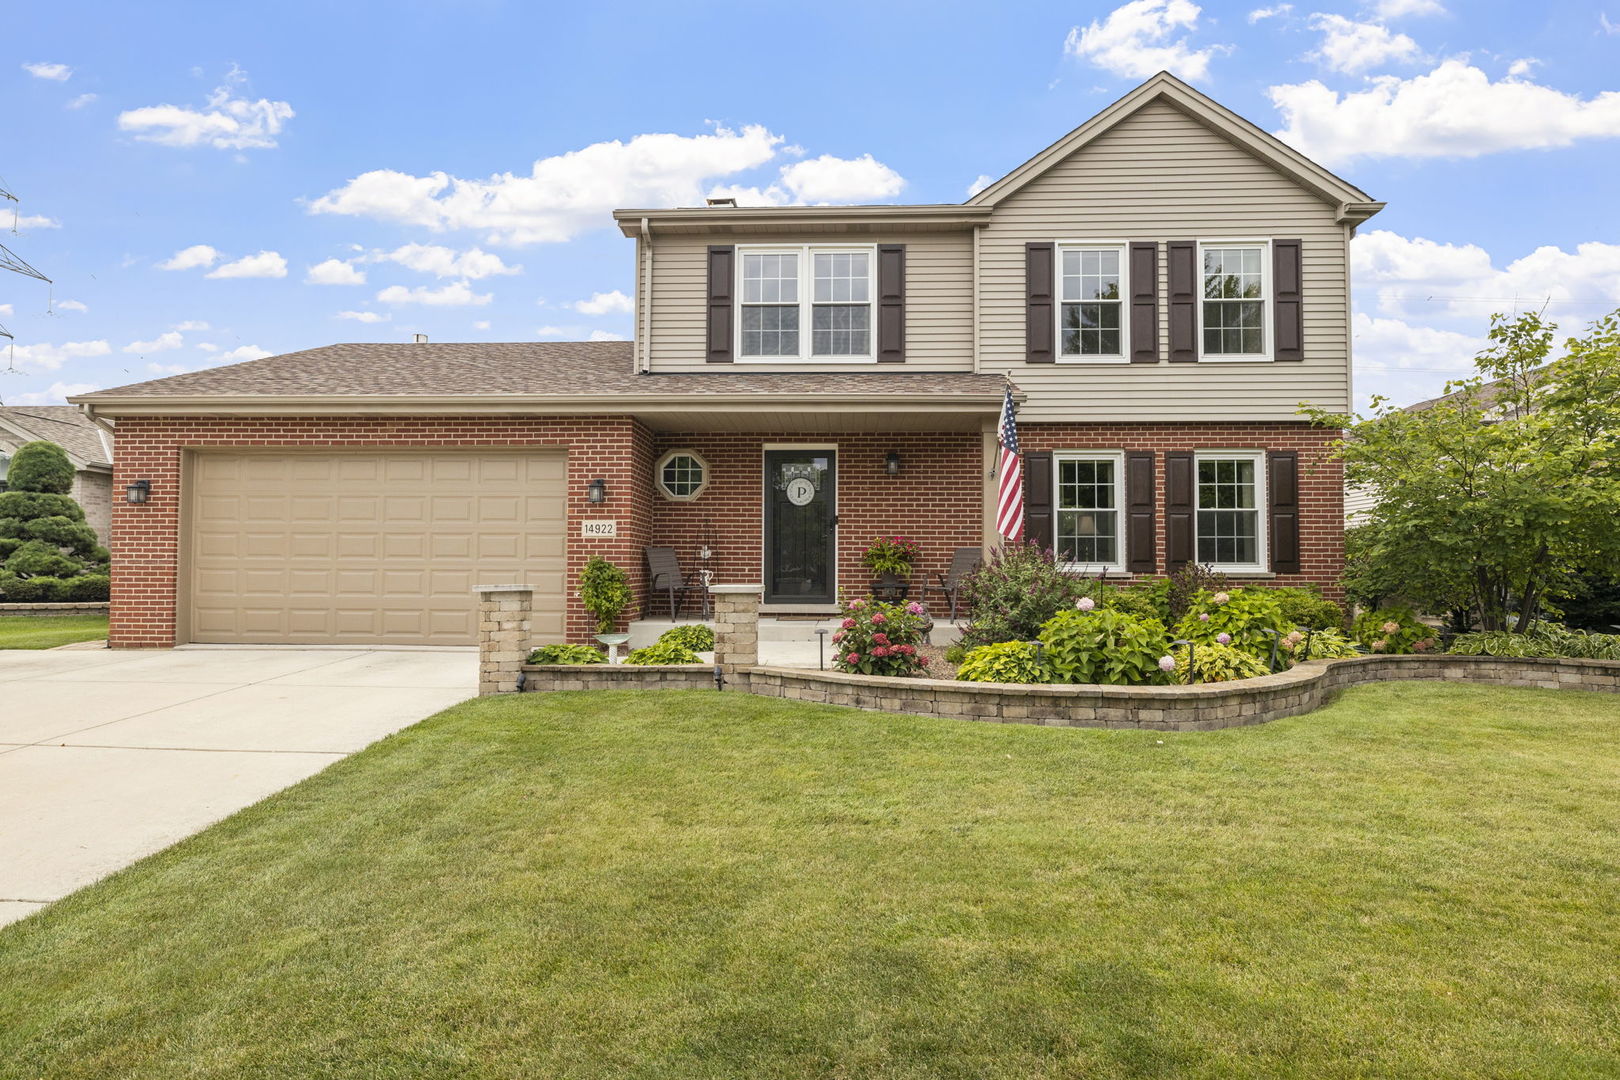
(371, 547)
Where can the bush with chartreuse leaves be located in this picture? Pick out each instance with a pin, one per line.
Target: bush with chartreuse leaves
(694, 636)
(1004, 662)
(567, 654)
(663, 652)
(47, 552)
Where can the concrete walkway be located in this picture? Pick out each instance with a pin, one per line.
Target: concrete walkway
(107, 756)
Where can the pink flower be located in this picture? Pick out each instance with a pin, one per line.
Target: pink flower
(848, 624)
(1294, 636)
(1224, 639)
(856, 605)
(1390, 627)
(1167, 663)
(1220, 598)
(1203, 616)
(1422, 646)
(879, 653)
(879, 617)
(905, 650)
(853, 658)
(1378, 646)
(1085, 603)
(915, 608)
(880, 639)
(837, 637)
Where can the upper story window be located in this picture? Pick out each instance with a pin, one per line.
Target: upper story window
(1229, 525)
(1236, 282)
(825, 289)
(1088, 526)
(1091, 287)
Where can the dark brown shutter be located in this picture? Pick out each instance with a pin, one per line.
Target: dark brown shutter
(1178, 511)
(722, 282)
(1288, 321)
(1145, 302)
(1282, 500)
(1139, 514)
(1183, 259)
(891, 293)
(1040, 320)
(1038, 499)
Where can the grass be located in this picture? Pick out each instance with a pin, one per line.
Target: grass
(49, 631)
(1416, 881)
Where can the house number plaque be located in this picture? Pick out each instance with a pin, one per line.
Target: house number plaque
(601, 528)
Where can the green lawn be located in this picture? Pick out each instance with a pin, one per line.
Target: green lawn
(1420, 880)
(49, 631)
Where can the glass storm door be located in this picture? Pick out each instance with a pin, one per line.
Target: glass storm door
(800, 526)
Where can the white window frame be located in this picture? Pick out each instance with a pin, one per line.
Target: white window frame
(1267, 314)
(1117, 457)
(1124, 249)
(1262, 509)
(807, 303)
(658, 474)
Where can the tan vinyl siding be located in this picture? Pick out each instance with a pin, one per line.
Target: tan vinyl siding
(1161, 176)
(939, 300)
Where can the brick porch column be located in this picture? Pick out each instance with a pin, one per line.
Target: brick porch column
(503, 636)
(736, 626)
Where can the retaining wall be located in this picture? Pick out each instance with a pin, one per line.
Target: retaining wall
(89, 607)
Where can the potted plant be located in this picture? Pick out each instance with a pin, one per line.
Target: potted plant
(891, 559)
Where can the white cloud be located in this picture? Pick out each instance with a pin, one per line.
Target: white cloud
(553, 332)
(244, 352)
(37, 221)
(982, 181)
(162, 343)
(56, 394)
(1606, 26)
(1139, 39)
(80, 102)
(54, 72)
(560, 196)
(191, 324)
(189, 258)
(364, 316)
(5, 309)
(169, 369)
(206, 346)
(1383, 345)
(1259, 14)
(604, 303)
(71, 305)
(1453, 111)
(481, 324)
(1417, 274)
(266, 264)
(473, 265)
(605, 335)
(1398, 9)
(456, 294)
(335, 272)
(1353, 47)
(50, 357)
(226, 122)
(828, 179)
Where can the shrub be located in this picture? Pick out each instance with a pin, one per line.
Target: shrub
(1004, 662)
(1304, 607)
(1182, 588)
(88, 587)
(605, 592)
(567, 654)
(1392, 631)
(40, 466)
(1216, 663)
(1138, 600)
(32, 590)
(62, 532)
(881, 639)
(1012, 595)
(1104, 646)
(36, 558)
(891, 555)
(694, 636)
(43, 534)
(1495, 643)
(663, 652)
(1542, 639)
(19, 506)
(1242, 616)
(1318, 645)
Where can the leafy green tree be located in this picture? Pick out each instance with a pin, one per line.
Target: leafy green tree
(1494, 499)
(47, 552)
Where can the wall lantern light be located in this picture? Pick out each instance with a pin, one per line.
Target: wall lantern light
(891, 463)
(138, 492)
(596, 491)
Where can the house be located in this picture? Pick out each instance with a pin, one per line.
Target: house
(87, 445)
(1162, 286)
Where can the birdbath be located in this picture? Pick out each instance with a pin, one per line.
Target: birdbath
(613, 641)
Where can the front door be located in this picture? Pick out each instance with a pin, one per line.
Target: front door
(801, 519)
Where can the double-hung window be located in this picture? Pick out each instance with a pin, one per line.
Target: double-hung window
(1091, 316)
(1230, 525)
(1088, 529)
(806, 303)
(1236, 287)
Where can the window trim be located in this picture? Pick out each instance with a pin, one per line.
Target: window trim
(1124, 249)
(1117, 457)
(1267, 315)
(671, 455)
(807, 302)
(1262, 509)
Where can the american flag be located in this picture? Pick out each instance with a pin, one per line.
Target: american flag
(1010, 496)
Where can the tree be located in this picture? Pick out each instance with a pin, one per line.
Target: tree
(1492, 500)
(47, 552)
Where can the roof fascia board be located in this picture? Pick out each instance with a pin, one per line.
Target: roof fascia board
(734, 218)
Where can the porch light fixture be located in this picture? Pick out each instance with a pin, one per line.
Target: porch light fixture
(596, 491)
(138, 492)
(891, 463)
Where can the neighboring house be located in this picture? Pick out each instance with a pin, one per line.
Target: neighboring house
(87, 445)
(1163, 286)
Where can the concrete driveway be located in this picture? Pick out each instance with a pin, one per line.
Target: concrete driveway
(107, 756)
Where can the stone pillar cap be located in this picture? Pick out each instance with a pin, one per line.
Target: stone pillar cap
(735, 588)
(503, 588)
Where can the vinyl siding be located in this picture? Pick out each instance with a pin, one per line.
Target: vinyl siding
(1161, 176)
(939, 300)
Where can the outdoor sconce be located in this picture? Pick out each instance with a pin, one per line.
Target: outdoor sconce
(138, 492)
(891, 463)
(596, 491)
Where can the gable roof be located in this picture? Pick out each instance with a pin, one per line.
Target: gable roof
(1353, 204)
(86, 443)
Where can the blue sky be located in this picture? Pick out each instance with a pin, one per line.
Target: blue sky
(212, 182)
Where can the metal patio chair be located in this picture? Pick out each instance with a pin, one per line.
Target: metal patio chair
(963, 562)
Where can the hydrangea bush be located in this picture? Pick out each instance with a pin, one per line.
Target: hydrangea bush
(1091, 644)
(1393, 631)
(1240, 618)
(875, 638)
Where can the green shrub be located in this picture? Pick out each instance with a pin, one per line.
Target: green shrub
(694, 636)
(40, 466)
(36, 558)
(1012, 595)
(567, 654)
(1104, 646)
(1318, 645)
(20, 506)
(1004, 662)
(63, 532)
(605, 591)
(1304, 607)
(1182, 588)
(88, 587)
(1242, 616)
(1216, 663)
(881, 639)
(33, 590)
(1140, 600)
(1543, 639)
(664, 652)
(1392, 631)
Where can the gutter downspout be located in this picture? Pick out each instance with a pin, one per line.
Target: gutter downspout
(644, 299)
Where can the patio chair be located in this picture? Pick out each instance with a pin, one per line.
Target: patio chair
(963, 562)
(664, 575)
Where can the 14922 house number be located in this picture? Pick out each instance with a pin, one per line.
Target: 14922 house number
(599, 528)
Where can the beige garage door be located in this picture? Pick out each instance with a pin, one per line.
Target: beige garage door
(370, 548)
